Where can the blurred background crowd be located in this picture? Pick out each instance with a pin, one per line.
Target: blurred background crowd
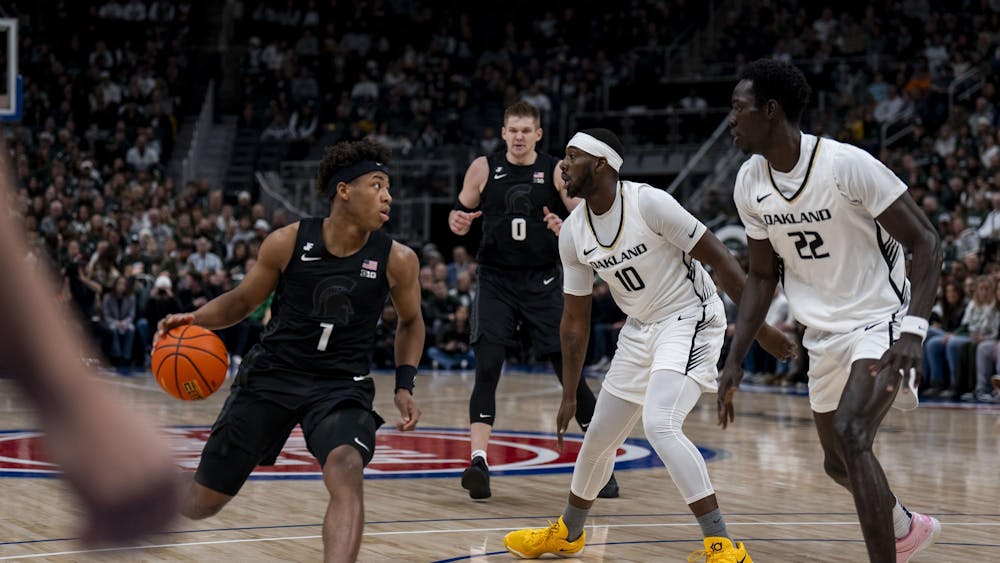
(129, 239)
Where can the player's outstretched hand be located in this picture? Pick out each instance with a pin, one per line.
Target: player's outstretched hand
(729, 382)
(905, 356)
(169, 322)
(552, 221)
(567, 410)
(409, 413)
(776, 343)
(459, 221)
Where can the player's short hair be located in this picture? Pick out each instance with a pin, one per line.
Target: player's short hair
(345, 154)
(608, 138)
(779, 81)
(522, 109)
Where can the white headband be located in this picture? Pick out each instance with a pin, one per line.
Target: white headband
(596, 147)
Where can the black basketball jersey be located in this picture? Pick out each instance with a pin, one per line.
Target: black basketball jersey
(326, 308)
(514, 231)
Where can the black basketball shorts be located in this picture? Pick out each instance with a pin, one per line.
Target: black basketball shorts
(264, 407)
(505, 297)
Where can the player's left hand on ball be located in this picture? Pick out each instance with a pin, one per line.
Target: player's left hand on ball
(776, 343)
(409, 413)
(552, 221)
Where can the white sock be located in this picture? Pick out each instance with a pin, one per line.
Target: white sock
(901, 519)
(482, 454)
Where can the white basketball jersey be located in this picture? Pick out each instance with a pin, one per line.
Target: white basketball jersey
(643, 257)
(840, 269)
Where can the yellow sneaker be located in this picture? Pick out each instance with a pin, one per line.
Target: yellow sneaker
(721, 550)
(532, 543)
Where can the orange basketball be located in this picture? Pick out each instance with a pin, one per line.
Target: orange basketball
(190, 362)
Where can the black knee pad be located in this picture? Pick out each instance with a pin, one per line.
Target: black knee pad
(489, 363)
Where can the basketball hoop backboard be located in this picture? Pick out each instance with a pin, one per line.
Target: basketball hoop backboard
(10, 82)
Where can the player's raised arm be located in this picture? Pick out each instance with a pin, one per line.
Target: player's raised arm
(460, 218)
(405, 290)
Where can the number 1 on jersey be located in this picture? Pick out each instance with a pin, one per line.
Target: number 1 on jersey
(324, 338)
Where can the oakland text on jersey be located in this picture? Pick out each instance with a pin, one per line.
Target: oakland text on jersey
(796, 218)
(614, 260)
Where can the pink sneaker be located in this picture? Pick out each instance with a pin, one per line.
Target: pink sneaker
(923, 531)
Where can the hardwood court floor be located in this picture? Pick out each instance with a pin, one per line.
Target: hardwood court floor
(767, 470)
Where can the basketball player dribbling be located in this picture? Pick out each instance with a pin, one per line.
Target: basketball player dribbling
(331, 277)
(830, 222)
(650, 252)
(521, 197)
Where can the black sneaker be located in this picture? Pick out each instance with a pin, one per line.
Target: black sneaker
(476, 478)
(610, 489)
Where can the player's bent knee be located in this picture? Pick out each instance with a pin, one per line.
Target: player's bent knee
(201, 502)
(836, 470)
(853, 433)
(344, 467)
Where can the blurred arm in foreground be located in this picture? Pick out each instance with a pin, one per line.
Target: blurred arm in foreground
(113, 458)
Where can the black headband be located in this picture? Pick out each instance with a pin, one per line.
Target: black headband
(350, 173)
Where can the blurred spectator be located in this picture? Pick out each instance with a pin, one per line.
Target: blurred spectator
(452, 343)
(119, 319)
(204, 261)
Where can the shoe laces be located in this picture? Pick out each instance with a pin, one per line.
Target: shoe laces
(709, 556)
(540, 536)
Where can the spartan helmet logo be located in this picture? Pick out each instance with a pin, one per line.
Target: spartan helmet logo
(519, 201)
(332, 300)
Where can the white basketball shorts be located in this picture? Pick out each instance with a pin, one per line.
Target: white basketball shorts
(688, 342)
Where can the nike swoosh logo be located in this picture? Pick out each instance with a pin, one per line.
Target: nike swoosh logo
(310, 258)
(683, 318)
(361, 377)
(869, 327)
(362, 444)
(742, 560)
(693, 231)
(483, 415)
(587, 252)
(547, 281)
(761, 198)
(498, 176)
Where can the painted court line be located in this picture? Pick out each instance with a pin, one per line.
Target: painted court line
(455, 531)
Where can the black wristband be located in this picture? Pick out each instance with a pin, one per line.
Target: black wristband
(404, 377)
(460, 207)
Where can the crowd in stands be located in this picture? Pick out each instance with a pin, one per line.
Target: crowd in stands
(423, 75)
(104, 90)
(103, 96)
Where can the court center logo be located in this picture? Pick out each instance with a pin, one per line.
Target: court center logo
(428, 452)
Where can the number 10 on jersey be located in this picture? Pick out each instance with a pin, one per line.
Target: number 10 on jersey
(630, 279)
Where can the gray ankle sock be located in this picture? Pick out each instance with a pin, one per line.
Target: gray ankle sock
(713, 524)
(574, 519)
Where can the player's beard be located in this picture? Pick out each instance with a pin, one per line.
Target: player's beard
(582, 184)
